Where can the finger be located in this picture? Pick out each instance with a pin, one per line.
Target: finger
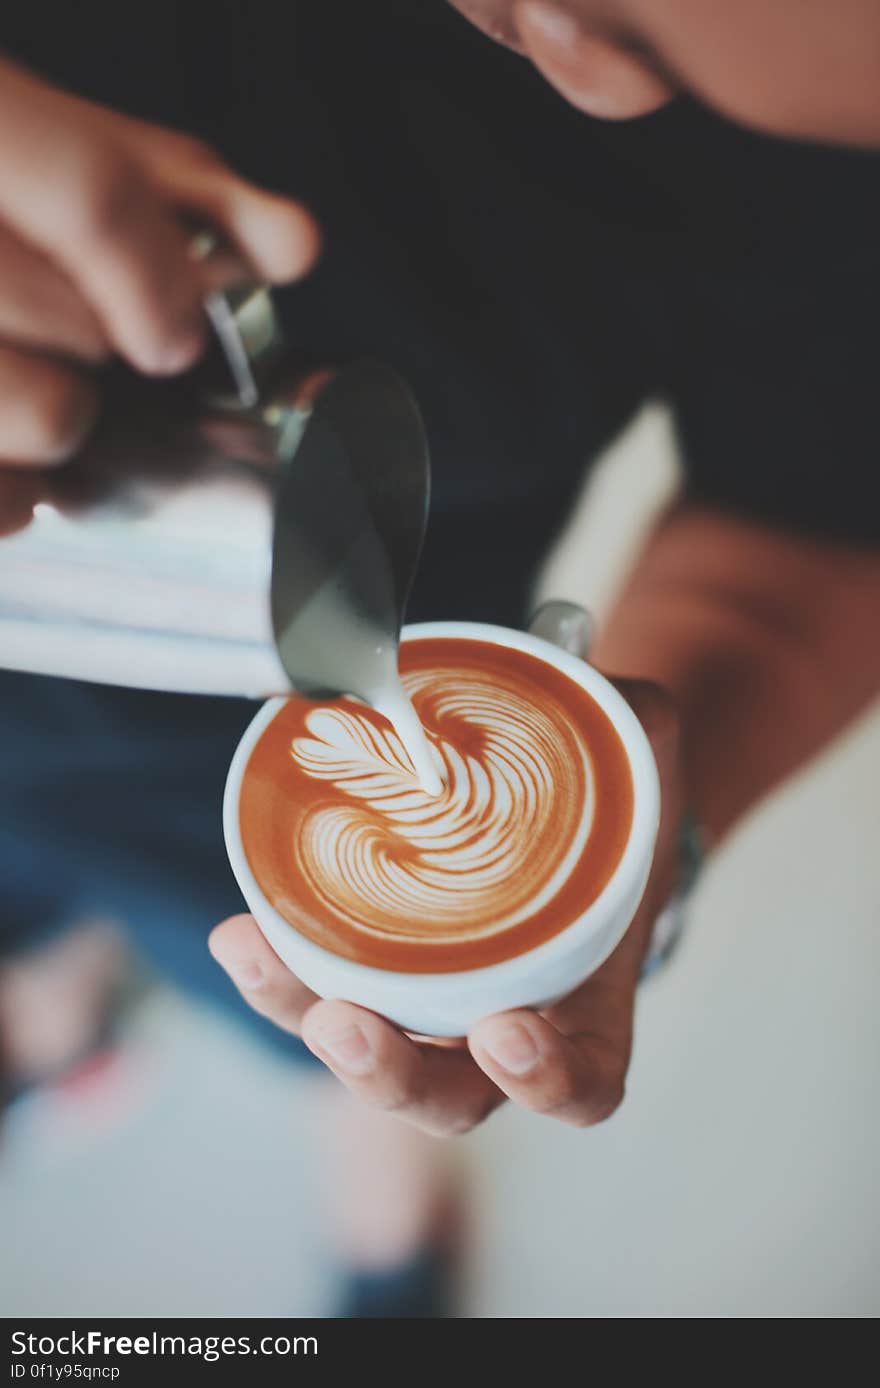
(263, 980)
(277, 237)
(132, 263)
(440, 1090)
(39, 307)
(578, 1079)
(46, 408)
(94, 212)
(570, 1062)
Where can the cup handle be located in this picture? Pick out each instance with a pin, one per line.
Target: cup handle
(564, 624)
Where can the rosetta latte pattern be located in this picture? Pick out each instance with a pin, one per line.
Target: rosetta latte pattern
(494, 848)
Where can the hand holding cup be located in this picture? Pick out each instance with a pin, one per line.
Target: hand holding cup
(566, 1057)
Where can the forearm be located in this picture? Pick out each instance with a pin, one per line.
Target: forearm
(770, 644)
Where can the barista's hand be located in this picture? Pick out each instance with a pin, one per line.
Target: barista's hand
(96, 214)
(569, 1062)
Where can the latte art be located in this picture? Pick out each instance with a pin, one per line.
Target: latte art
(532, 818)
(498, 842)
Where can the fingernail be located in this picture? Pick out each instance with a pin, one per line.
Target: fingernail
(246, 975)
(347, 1048)
(513, 1049)
(554, 25)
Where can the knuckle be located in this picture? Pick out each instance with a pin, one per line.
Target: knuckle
(603, 1105)
(459, 1124)
(279, 1006)
(566, 1098)
(559, 1092)
(445, 1127)
(399, 1095)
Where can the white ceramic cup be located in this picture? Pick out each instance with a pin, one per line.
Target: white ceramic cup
(449, 1004)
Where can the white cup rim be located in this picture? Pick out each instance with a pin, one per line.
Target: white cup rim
(639, 845)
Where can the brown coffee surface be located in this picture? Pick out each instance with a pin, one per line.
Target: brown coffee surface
(533, 819)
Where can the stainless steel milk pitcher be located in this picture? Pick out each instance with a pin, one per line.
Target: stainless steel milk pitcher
(233, 536)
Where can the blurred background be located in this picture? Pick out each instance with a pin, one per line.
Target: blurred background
(177, 1174)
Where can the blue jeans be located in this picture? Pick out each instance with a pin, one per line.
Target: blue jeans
(110, 804)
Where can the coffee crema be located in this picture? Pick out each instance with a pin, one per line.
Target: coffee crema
(532, 821)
